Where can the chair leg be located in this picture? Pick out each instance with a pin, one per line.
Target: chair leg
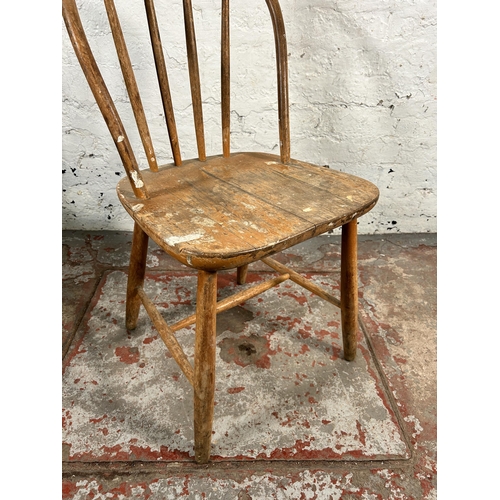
(204, 364)
(349, 289)
(136, 273)
(241, 274)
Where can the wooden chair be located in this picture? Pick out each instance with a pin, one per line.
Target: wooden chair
(221, 212)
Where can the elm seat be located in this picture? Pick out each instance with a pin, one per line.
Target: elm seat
(227, 212)
(220, 212)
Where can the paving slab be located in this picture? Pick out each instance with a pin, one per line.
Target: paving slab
(315, 485)
(283, 390)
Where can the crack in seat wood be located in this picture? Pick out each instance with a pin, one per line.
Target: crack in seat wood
(220, 212)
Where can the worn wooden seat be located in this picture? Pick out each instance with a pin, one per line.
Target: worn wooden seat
(227, 212)
(221, 212)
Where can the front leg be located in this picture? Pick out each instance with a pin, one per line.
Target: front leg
(204, 364)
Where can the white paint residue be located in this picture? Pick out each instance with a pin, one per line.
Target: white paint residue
(308, 209)
(175, 240)
(138, 183)
(432, 495)
(271, 162)
(416, 422)
(247, 205)
(203, 221)
(120, 138)
(152, 261)
(137, 207)
(384, 473)
(254, 226)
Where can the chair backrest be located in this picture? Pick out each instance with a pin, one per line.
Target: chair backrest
(93, 75)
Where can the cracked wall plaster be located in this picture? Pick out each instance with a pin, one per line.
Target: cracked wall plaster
(362, 94)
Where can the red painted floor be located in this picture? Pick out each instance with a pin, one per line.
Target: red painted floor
(293, 419)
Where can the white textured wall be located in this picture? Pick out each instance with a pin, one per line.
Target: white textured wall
(362, 95)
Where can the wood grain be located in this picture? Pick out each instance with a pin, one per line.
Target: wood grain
(131, 84)
(194, 78)
(227, 212)
(241, 274)
(349, 289)
(204, 364)
(161, 71)
(136, 273)
(225, 80)
(282, 74)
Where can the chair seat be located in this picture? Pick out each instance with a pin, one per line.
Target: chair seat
(227, 212)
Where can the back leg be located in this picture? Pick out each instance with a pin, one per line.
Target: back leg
(349, 289)
(136, 273)
(241, 274)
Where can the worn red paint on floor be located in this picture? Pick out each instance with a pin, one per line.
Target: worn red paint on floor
(292, 372)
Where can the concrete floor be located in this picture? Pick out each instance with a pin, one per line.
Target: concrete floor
(292, 418)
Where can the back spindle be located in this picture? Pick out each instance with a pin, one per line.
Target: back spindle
(225, 81)
(282, 74)
(131, 84)
(194, 78)
(161, 71)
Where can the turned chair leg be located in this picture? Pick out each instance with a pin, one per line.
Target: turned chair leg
(204, 364)
(349, 289)
(136, 273)
(241, 274)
